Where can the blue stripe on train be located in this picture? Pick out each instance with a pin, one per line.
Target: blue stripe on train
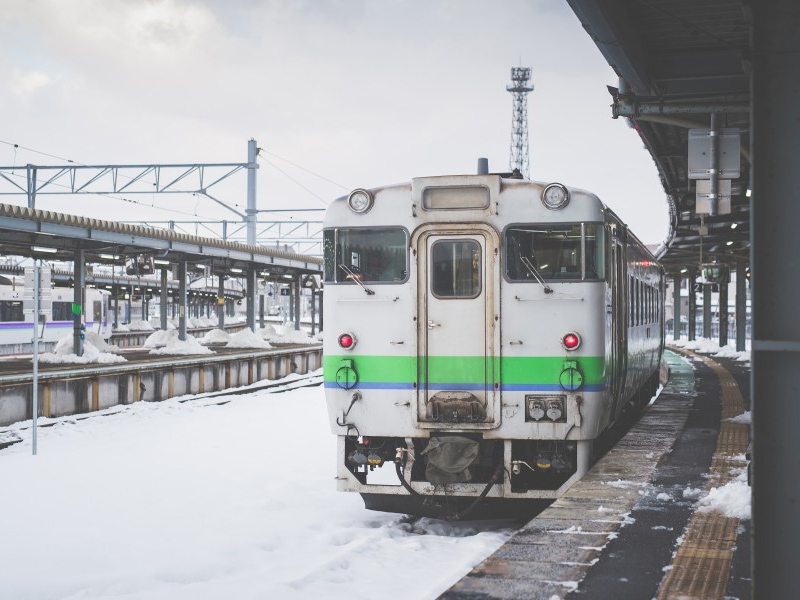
(511, 387)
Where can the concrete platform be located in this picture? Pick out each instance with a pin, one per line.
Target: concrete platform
(629, 529)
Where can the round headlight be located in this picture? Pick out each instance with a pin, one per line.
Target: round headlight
(359, 201)
(555, 196)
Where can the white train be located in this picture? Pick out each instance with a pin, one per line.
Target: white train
(56, 304)
(482, 333)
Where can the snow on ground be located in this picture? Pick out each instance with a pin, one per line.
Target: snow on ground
(247, 339)
(192, 500)
(95, 350)
(215, 336)
(286, 334)
(140, 326)
(707, 346)
(173, 345)
(731, 499)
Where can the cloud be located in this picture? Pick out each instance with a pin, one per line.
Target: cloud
(28, 83)
(364, 92)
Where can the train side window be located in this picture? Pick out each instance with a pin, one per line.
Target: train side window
(11, 310)
(631, 287)
(456, 269)
(97, 312)
(374, 255)
(595, 250)
(62, 311)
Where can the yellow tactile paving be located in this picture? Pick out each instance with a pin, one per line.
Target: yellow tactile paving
(702, 564)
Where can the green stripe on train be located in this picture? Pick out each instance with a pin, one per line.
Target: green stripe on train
(464, 369)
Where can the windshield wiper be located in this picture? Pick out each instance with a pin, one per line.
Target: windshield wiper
(355, 278)
(538, 276)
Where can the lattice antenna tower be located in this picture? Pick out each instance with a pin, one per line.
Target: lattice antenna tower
(519, 88)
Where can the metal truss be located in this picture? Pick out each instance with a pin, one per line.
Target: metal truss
(194, 178)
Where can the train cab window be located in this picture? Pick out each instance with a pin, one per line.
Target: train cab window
(456, 269)
(595, 250)
(11, 310)
(568, 252)
(368, 255)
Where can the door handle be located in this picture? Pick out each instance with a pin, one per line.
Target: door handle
(431, 324)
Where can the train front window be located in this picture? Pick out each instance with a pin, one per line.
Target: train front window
(368, 255)
(568, 252)
(456, 269)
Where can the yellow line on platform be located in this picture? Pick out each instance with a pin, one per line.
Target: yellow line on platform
(701, 566)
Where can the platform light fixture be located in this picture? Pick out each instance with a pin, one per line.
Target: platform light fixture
(236, 270)
(158, 261)
(44, 249)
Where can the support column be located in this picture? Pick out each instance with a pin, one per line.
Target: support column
(115, 290)
(251, 289)
(163, 301)
(296, 297)
(692, 325)
(252, 211)
(79, 294)
(313, 311)
(676, 306)
(723, 312)
(741, 306)
(321, 295)
(707, 311)
(261, 310)
(775, 280)
(182, 300)
(221, 302)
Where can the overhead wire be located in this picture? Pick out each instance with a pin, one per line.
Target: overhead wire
(286, 160)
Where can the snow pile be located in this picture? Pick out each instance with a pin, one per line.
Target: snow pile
(156, 324)
(215, 336)
(287, 334)
(731, 352)
(702, 345)
(215, 513)
(191, 345)
(246, 339)
(63, 353)
(742, 418)
(731, 499)
(160, 338)
(95, 340)
(140, 326)
(121, 327)
(707, 346)
(202, 322)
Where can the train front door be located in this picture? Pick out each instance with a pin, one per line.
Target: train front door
(458, 313)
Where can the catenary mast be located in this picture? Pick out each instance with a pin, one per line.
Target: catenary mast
(519, 88)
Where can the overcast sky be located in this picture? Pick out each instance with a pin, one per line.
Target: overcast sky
(361, 92)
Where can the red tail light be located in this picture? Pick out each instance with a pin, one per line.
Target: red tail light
(571, 341)
(347, 341)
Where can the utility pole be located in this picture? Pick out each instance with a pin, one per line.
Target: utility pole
(519, 88)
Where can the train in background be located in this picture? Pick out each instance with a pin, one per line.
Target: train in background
(56, 310)
(483, 333)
